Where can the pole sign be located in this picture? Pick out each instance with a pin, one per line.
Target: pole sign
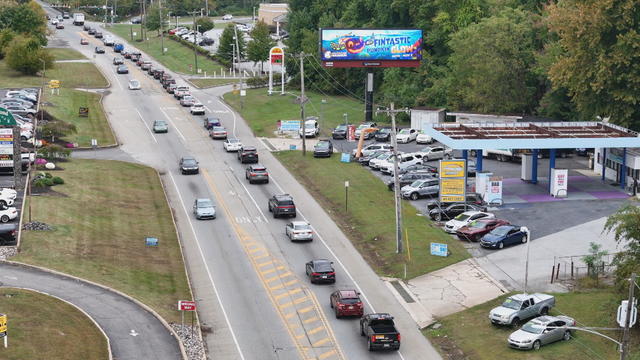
(276, 55)
(6, 147)
(3, 325)
(351, 133)
(453, 180)
(6, 117)
(185, 305)
(54, 84)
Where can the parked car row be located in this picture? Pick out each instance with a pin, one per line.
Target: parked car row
(192, 36)
(382, 134)
(22, 104)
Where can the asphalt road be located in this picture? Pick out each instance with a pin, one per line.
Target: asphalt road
(248, 279)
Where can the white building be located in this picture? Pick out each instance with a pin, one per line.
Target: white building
(614, 163)
(426, 115)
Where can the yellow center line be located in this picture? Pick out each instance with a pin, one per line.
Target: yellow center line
(327, 354)
(321, 342)
(310, 320)
(318, 329)
(294, 291)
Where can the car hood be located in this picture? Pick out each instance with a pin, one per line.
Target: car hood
(455, 223)
(502, 311)
(408, 188)
(468, 230)
(206, 211)
(521, 335)
(491, 238)
(339, 131)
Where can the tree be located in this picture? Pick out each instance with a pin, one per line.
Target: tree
(625, 225)
(205, 24)
(58, 129)
(25, 55)
(26, 19)
(226, 45)
(600, 63)
(260, 44)
(153, 20)
(6, 36)
(594, 260)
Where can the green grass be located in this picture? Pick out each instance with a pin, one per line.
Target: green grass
(43, 327)
(370, 219)
(206, 83)
(471, 332)
(66, 105)
(177, 58)
(106, 210)
(66, 54)
(265, 111)
(71, 75)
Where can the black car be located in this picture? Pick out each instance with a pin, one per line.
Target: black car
(134, 57)
(248, 154)
(136, 20)
(419, 167)
(451, 210)
(472, 198)
(158, 74)
(320, 270)
(91, 31)
(255, 173)
(8, 234)
(282, 205)
(98, 35)
(86, 27)
(122, 70)
(383, 134)
(210, 122)
(409, 178)
(189, 165)
(324, 148)
(99, 50)
(340, 132)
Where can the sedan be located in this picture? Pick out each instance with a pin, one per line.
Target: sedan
(197, 109)
(160, 126)
(248, 154)
(232, 145)
(91, 31)
(340, 132)
(423, 138)
(320, 270)
(98, 35)
(255, 173)
(218, 132)
(324, 148)
(84, 41)
(187, 100)
(188, 165)
(99, 50)
(504, 235)
(478, 228)
(134, 84)
(465, 219)
(59, 25)
(122, 69)
(346, 303)
(210, 122)
(384, 134)
(7, 214)
(449, 211)
(204, 209)
(299, 231)
(118, 60)
(406, 135)
(541, 331)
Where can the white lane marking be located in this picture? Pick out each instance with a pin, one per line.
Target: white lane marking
(254, 201)
(145, 125)
(206, 107)
(206, 266)
(232, 113)
(117, 79)
(172, 124)
(133, 333)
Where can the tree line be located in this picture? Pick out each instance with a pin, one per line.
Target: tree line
(563, 59)
(128, 8)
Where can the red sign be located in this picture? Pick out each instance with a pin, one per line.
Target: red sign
(276, 55)
(184, 305)
(351, 133)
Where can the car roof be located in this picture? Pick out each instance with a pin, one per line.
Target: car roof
(188, 157)
(295, 223)
(257, 167)
(250, 148)
(321, 261)
(283, 197)
(348, 294)
(203, 199)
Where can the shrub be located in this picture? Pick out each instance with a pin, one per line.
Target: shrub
(58, 180)
(48, 181)
(53, 151)
(48, 175)
(39, 183)
(24, 55)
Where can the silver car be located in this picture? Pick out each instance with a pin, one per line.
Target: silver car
(421, 188)
(204, 209)
(541, 331)
(299, 231)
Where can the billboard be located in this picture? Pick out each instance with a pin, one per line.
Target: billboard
(370, 47)
(453, 180)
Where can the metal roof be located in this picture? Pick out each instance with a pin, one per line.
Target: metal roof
(539, 135)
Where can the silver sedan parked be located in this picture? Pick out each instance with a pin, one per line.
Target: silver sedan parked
(299, 231)
(541, 331)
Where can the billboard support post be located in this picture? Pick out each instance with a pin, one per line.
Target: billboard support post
(302, 101)
(368, 98)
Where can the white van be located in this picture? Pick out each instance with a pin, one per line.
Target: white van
(311, 128)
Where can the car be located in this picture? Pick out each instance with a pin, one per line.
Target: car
(404, 160)
(421, 188)
(320, 270)
(33, 97)
(158, 74)
(118, 60)
(117, 47)
(346, 303)
(91, 31)
(160, 126)
(136, 20)
(465, 219)
(340, 132)
(218, 132)
(255, 173)
(8, 234)
(145, 65)
(418, 167)
(125, 54)
(377, 161)
(471, 198)
(363, 126)
(20, 110)
(197, 109)
(282, 205)
(122, 69)
(134, 84)
(171, 88)
(207, 41)
(541, 331)
(299, 231)
(409, 178)
(7, 197)
(248, 154)
(450, 211)
(380, 332)
(188, 165)
(19, 102)
(134, 58)
(173, 31)
(65, 15)
(59, 25)
(151, 70)
(86, 27)
(108, 41)
(54, 21)
(371, 148)
(84, 41)
(311, 128)
(503, 236)
(519, 307)
(187, 101)
(98, 35)
(210, 122)
(436, 153)
(406, 135)
(383, 134)
(232, 145)
(28, 98)
(324, 148)
(8, 213)
(166, 83)
(227, 17)
(423, 138)
(478, 228)
(181, 91)
(204, 209)
(364, 160)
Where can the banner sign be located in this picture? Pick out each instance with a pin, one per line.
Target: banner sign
(439, 249)
(185, 305)
(289, 125)
(6, 118)
(351, 133)
(453, 180)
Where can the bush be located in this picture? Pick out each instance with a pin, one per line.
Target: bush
(261, 81)
(39, 183)
(58, 180)
(205, 24)
(48, 182)
(48, 175)
(53, 151)
(24, 55)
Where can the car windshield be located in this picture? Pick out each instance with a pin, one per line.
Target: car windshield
(363, 126)
(323, 266)
(134, 83)
(160, 123)
(341, 127)
(501, 231)
(478, 224)
(189, 162)
(302, 227)
(218, 128)
(462, 217)
(310, 125)
(349, 301)
(233, 141)
(323, 145)
(533, 327)
(384, 156)
(385, 131)
(205, 203)
(405, 131)
(512, 304)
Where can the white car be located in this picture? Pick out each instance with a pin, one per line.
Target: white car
(299, 231)
(406, 135)
(26, 94)
(371, 148)
(227, 17)
(232, 145)
(54, 21)
(7, 214)
(423, 138)
(404, 161)
(7, 197)
(134, 84)
(311, 129)
(377, 162)
(197, 109)
(465, 219)
(436, 153)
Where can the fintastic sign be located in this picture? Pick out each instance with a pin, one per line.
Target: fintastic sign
(371, 47)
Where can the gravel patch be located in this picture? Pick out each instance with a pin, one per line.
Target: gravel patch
(192, 342)
(37, 226)
(7, 252)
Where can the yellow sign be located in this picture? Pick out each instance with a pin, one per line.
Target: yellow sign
(452, 198)
(276, 51)
(54, 84)
(3, 323)
(452, 169)
(452, 186)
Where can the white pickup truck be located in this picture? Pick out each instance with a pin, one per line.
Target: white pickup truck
(519, 307)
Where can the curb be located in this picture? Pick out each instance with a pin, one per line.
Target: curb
(104, 287)
(74, 306)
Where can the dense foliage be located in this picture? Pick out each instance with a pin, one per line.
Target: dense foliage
(625, 225)
(227, 43)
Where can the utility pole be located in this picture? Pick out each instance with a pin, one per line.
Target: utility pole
(302, 101)
(626, 334)
(396, 186)
(161, 27)
(195, 52)
(206, 7)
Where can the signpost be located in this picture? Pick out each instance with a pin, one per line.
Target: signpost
(276, 56)
(187, 305)
(54, 85)
(453, 180)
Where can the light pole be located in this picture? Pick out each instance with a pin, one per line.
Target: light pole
(525, 230)
(346, 118)
(322, 102)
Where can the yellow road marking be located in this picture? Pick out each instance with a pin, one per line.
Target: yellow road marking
(310, 320)
(327, 354)
(265, 264)
(256, 249)
(318, 329)
(300, 300)
(294, 291)
(290, 282)
(290, 315)
(272, 270)
(305, 310)
(261, 256)
(320, 342)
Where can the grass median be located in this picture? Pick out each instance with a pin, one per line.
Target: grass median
(469, 334)
(177, 58)
(71, 75)
(369, 220)
(102, 215)
(207, 83)
(66, 54)
(43, 327)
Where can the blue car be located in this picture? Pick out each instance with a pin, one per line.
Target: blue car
(503, 236)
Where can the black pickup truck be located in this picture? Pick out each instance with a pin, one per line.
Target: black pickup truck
(380, 331)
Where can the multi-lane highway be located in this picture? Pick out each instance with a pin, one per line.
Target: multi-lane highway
(248, 278)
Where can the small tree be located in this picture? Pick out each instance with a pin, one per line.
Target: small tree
(594, 260)
(6, 37)
(204, 24)
(260, 44)
(58, 129)
(625, 225)
(153, 21)
(226, 46)
(25, 55)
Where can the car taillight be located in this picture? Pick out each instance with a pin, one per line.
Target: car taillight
(373, 338)
(398, 337)
(331, 273)
(315, 274)
(285, 207)
(252, 174)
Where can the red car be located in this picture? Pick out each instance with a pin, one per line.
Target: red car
(346, 303)
(84, 41)
(477, 229)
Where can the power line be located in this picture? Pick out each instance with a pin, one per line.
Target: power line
(337, 89)
(334, 79)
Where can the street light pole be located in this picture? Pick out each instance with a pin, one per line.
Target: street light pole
(195, 52)
(161, 27)
(525, 230)
(302, 101)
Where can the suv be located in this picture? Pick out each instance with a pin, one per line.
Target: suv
(420, 188)
(409, 178)
(282, 205)
(248, 154)
(324, 148)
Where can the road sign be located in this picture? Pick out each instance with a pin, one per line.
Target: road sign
(276, 55)
(151, 241)
(54, 84)
(452, 168)
(6, 118)
(622, 313)
(438, 249)
(345, 157)
(186, 305)
(3, 324)
(453, 180)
